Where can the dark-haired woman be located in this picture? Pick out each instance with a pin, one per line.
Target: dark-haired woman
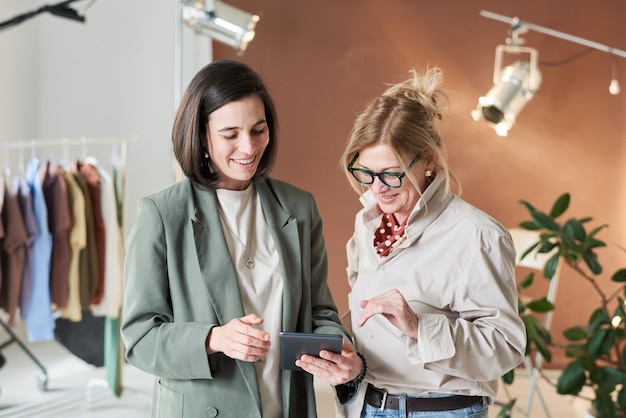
(221, 262)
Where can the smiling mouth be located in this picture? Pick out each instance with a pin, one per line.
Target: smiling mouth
(389, 197)
(247, 161)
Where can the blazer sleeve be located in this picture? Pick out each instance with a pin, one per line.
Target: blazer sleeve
(324, 315)
(154, 342)
(324, 310)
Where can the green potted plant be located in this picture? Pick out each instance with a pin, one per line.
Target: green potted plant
(597, 349)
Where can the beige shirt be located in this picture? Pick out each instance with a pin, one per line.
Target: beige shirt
(456, 269)
(261, 288)
(78, 241)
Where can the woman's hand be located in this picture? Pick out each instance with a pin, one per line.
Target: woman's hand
(239, 339)
(333, 368)
(394, 307)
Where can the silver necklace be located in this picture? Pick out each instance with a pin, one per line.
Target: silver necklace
(250, 261)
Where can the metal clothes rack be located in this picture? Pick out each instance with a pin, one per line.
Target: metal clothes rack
(42, 380)
(64, 143)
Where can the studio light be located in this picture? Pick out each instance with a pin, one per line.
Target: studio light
(517, 83)
(513, 86)
(222, 22)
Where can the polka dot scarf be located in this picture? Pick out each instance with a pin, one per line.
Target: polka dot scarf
(388, 235)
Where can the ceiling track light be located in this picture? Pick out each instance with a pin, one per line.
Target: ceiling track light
(222, 22)
(513, 86)
(516, 84)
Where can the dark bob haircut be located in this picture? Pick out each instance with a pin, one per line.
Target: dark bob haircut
(214, 86)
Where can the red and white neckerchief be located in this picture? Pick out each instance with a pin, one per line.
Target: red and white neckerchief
(388, 235)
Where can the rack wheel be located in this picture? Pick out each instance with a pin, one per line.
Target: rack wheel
(42, 382)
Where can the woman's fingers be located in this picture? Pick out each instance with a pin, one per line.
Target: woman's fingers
(240, 339)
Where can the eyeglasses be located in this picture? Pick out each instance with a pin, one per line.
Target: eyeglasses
(388, 178)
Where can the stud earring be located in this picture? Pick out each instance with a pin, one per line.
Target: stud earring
(205, 162)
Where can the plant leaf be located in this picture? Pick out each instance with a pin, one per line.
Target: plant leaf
(529, 207)
(529, 250)
(560, 206)
(607, 378)
(544, 221)
(575, 333)
(527, 281)
(604, 405)
(596, 229)
(591, 260)
(619, 276)
(540, 305)
(597, 319)
(542, 347)
(571, 380)
(549, 269)
(506, 410)
(574, 230)
(537, 335)
(546, 247)
(529, 225)
(596, 343)
(509, 377)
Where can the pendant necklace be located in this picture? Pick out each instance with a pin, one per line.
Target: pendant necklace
(250, 261)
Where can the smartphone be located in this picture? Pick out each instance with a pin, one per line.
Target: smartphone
(294, 344)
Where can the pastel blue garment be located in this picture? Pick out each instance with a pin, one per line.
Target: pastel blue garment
(39, 320)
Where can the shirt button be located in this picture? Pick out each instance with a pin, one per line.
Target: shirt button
(382, 267)
(370, 334)
(211, 412)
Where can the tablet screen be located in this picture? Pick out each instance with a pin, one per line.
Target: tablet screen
(294, 344)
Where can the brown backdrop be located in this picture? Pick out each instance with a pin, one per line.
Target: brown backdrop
(323, 60)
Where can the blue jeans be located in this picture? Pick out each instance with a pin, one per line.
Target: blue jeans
(478, 410)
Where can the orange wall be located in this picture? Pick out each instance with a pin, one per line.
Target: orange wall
(324, 60)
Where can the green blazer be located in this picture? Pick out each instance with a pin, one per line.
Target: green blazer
(180, 282)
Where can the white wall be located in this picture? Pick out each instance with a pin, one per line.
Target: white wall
(18, 74)
(112, 76)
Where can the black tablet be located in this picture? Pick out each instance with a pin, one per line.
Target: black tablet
(294, 344)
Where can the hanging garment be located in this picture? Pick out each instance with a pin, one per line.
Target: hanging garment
(111, 302)
(88, 255)
(13, 253)
(84, 339)
(78, 241)
(92, 178)
(28, 213)
(59, 222)
(39, 321)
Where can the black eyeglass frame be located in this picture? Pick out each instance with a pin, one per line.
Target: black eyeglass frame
(373, 174)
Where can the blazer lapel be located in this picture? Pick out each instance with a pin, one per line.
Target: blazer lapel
(284, 230)
(218, 272)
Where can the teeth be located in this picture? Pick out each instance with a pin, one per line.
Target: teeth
(249, 161)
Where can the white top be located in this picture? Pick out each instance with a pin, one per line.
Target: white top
(111, 303)
(456, 269)
(261, 288)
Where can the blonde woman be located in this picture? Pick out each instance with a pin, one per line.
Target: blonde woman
(433, 298)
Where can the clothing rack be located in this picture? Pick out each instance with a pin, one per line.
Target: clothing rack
(65, 144)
